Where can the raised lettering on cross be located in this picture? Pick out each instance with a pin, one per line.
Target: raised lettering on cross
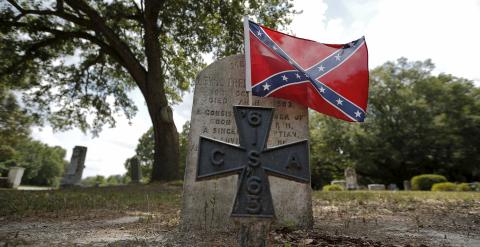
(253, 161)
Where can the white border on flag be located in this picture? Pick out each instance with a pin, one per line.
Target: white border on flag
(246, 42)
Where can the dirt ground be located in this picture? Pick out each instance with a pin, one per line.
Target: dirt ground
(338, 222)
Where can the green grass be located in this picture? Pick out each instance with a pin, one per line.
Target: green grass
(400, 196)
(158, 197)
(152, 197)
(400, 201)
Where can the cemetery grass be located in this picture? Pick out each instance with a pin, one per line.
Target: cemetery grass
(148, 215)
(17, 204)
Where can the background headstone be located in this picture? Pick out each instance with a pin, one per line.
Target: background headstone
(351, 178)
(407, 185)
(135, 171)
(376, 187)
(392, 187)
(207, 204)
(15, 175)
(74, 171)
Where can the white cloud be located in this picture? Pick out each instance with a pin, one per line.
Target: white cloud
(445, 31)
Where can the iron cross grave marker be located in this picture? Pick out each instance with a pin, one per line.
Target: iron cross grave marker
(253, 161)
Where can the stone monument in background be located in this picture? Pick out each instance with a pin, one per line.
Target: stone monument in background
(351, 179)
(74, 171)
(135, 171)
(207, 204)
(407, 185)
(15, 175)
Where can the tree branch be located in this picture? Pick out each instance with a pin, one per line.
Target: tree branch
(131, 63)
(30, 53)
(122, 52)
(60, 6)
(58, 37)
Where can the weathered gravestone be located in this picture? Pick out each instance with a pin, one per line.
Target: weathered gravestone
(407, 185)
(351, 179)
(376, 187)
(74, 171)
(15, 175)
(207, 204)
(392, 187)
(135, 171)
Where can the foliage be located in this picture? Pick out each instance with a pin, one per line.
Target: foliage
(16, 123)
(183, 139)
(444, 186)
(100, 180)
(14, 128)
(145, 150)
(77, 60)
(463, 187)
(115, 180)
(426, 181)
(332, 187)
(43, 164)
(327, 157)
(416, 123)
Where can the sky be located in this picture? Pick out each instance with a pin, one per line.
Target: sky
(445, 31)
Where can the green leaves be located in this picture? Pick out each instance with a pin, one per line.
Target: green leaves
(416, 123)
(78, 69)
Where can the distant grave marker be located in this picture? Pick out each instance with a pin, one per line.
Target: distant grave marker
(392, 187)
(74, 171)
(351, 179)
(15, 175)
(376, 187)
(135, 170)
(407, 185)
(207, 204)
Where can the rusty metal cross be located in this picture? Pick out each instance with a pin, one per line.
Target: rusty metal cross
(253, 161)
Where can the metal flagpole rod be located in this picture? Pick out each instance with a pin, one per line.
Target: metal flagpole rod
(248, 68)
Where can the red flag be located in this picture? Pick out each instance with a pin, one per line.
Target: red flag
(329, 78)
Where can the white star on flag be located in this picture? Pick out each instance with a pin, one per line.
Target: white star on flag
(284, 77)
(274, 47)
(322, 90)
(358, 113)
(321, 68)
(266, 86)
(298, 76)
(259, 33)
(339, 101)
(338, 57)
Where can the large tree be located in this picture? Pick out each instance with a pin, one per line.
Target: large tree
(79, 58)
(417, 123)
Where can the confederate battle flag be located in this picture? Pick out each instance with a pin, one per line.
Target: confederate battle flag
(329, 78)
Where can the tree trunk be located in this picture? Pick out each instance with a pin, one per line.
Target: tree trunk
(166, 157)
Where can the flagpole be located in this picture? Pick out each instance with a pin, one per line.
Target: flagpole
(248, 74)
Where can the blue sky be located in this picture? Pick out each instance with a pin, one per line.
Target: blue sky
(445, 31)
